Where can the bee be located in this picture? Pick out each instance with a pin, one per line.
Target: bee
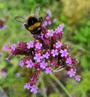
(32, 22)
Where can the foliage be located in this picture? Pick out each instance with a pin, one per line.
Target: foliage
(75, 15)
(75, 9)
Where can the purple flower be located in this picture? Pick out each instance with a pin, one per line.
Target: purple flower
(47, 18)
(7, 59)
(30, 44)
(34, 89)
(64, 53)
(38, 46)
(62, 26)
(27, 85)
(13, 46)
(50, 32)
(48, 70)
(58, 30)
(46, 36)
(54, 52)
(54, 20)
(43, 90)
(29, 64)
(77, 78)
(58, 44)
(49, 22)
(45, 23)
(42, 35)
(46, 55)
(3, 73)
(21, 63)
(43, 65)
(71, 72)
(48, 12)
(18, 74)
(38, 57)
(69, 60)
(5, 47)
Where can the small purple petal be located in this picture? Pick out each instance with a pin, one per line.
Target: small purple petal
(71, 72)
(77, 78)
(69, 61)
(48, 12)
(21, 63)
(48, 70)
(27, 86)
(34, 89)
(38, 57)
(5, 47)
(38, 45)
(49, 22)
(7, 59)
(50, 32)
(13, 46)
(54, 52)
(47, 18)
(54, 20)
(64, 53)
(18, 74)
(45, 23)
(43, 65)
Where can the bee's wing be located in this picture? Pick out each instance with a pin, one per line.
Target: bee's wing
(20, 18)
(36, 10)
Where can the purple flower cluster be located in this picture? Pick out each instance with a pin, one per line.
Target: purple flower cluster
(47, 18)
(45, 52)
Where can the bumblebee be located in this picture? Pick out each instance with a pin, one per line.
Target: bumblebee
(32, 22)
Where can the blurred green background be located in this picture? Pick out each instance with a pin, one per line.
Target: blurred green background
(75, 14)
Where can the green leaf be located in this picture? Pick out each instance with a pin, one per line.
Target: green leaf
(84, 63)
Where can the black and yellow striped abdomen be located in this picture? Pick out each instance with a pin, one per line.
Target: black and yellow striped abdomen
(33, 24)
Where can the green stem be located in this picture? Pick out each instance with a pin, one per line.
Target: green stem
(53, 85)
(79, 86)
(42, 86)
(39, 78)
(61, 85)
(78, 47)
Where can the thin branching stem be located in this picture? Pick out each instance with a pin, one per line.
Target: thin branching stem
(61, 85)
(53, 85)
(42, 86)
(39, 79)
